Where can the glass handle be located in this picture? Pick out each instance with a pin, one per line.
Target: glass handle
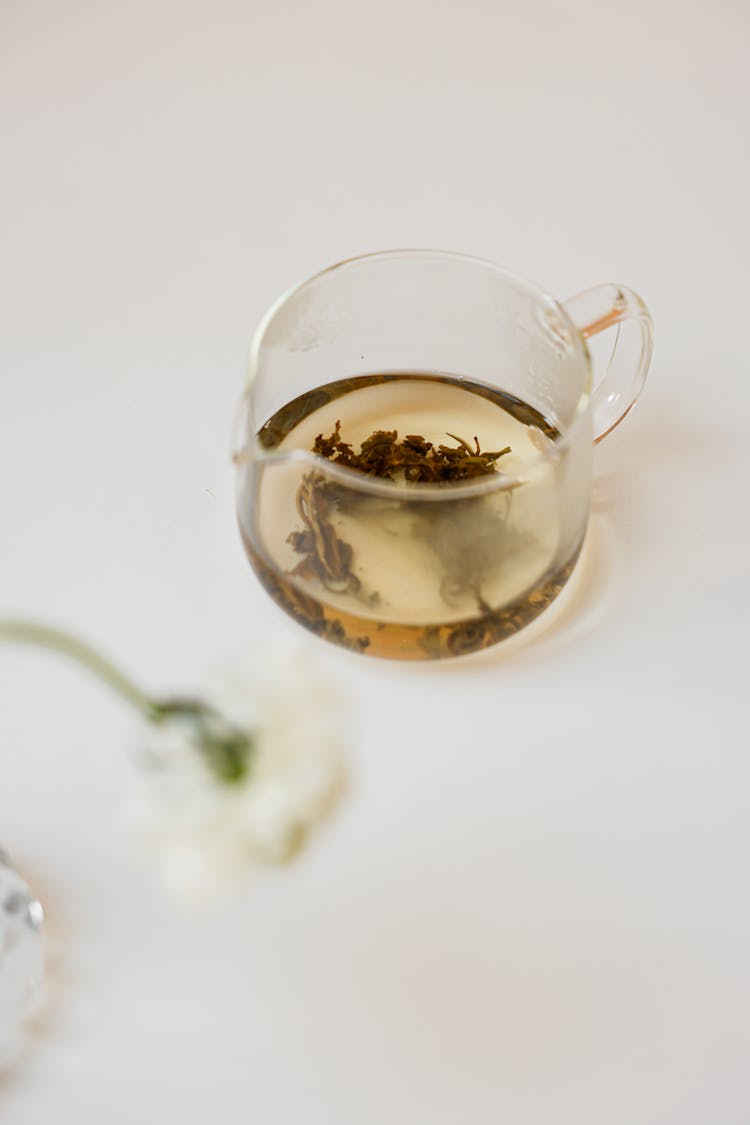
(615, 306)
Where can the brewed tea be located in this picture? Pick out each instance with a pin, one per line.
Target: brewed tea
(433, 561)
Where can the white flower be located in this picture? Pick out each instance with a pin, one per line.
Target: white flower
(209, 831)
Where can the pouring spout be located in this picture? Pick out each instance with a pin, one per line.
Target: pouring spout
(243, 441)
(244, 456)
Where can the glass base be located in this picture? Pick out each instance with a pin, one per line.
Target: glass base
(396, 641)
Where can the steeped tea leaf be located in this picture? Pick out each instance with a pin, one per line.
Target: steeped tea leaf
(413, 459)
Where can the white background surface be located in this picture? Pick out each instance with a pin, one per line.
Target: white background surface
(535, 907)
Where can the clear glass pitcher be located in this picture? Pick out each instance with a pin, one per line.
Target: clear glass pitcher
(466, 364)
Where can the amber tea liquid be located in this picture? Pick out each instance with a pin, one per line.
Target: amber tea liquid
(396, 575)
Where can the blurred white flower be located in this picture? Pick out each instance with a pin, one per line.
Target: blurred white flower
(236, 777)
(243, 777)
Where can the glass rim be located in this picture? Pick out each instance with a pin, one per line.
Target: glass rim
(354, 478)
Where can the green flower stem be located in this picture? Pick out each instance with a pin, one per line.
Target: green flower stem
(225, 748)
(57, 640)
